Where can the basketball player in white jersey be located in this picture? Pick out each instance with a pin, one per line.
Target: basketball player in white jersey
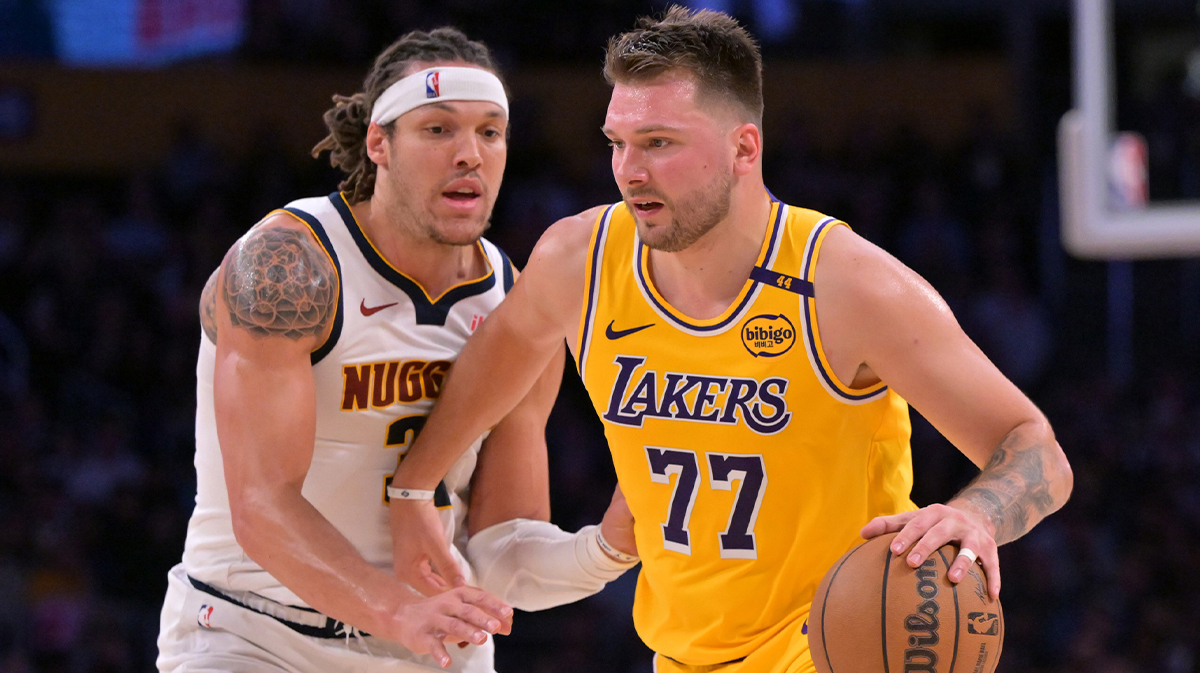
(328, 330)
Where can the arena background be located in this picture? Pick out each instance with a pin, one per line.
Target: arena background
(140, 138)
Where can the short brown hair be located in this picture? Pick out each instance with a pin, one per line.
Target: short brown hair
(713, 47)
(349, 117)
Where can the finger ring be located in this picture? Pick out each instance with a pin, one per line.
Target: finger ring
(968, 553)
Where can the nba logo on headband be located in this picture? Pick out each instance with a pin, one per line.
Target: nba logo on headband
(470, 84)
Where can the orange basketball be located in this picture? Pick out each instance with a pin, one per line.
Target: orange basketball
(874, 614)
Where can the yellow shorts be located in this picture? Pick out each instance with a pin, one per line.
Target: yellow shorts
(786, 653)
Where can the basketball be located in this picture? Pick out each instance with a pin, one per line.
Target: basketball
(872, 613)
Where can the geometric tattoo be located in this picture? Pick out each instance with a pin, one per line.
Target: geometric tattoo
(208, 307)
(279, 283)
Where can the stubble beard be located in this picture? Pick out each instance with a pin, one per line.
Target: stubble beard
(692, 217)
(417, 218)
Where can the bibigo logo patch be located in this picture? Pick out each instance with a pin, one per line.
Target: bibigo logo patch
(768, 335)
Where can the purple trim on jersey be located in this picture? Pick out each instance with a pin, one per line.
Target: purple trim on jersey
(811, 315)
(592, 287)
(775, 279)
(773, 236)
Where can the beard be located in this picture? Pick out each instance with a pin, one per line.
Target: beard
(693, 216)
(418, 219)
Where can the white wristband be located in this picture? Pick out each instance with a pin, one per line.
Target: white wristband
(614, 553)
(408, 493)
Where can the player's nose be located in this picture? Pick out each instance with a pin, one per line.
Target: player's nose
(628, 169)
(468, 153)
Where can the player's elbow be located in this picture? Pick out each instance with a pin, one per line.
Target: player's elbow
(244, 524)
(1056, 471)
(1062, 475)
(248, 517)
(1056, 476)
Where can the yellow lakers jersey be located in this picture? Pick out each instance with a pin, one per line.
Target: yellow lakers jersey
(748, 466)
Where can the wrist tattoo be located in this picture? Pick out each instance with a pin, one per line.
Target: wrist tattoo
(278, 282)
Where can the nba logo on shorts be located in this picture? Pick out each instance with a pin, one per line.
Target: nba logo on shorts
(205, 616)
(431, 85)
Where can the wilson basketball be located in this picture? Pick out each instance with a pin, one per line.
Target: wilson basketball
(872, 613)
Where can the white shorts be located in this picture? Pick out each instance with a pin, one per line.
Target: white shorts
(201, 632)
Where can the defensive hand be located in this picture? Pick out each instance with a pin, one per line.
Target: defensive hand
(463, 614)
(617, 524)
(420, 554)
(927, 529)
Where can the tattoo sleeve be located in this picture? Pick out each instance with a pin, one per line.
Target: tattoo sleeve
(1013, 491)
(208, 307)
(278, 282)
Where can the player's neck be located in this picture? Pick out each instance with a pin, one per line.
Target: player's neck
(435, 266)
(705, 279)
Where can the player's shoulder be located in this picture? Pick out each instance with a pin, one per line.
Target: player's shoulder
(278, 280)
(806, 217)
(579, 226)
(290, 226)
(852, 268)
(567, 239)
(311, 214)
(281, 218)
(280, 236)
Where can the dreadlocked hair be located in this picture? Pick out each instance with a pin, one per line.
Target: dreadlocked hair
(349, 117)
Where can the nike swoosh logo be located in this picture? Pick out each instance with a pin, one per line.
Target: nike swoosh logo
(374, 309)
(613, 334)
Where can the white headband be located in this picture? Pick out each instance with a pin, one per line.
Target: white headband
(437, 84)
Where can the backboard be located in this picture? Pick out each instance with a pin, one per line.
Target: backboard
(1090, 153)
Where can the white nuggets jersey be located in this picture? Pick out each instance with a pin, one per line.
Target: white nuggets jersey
(376, 380)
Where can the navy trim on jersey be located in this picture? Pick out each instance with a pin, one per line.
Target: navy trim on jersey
(772, 237)
(810, 318)
(592, 286)
(782, 281)
(427, 312)
(507, 270)
(323, 238)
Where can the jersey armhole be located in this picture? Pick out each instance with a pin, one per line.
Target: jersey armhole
(318, 232)
(506, 269)
(812, 332)
(592, 285)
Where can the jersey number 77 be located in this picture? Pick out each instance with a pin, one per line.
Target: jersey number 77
(724, 468)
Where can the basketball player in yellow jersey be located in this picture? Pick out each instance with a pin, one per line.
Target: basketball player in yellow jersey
(752, 363)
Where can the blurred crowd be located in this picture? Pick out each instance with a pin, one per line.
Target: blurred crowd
(329, 32)
(100, 279)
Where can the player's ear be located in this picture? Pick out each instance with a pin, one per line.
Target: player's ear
(747, 139)
(377, 145)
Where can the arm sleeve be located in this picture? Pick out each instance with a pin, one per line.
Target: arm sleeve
(535, 565)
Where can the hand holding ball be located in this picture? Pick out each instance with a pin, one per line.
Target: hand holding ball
(872, 613)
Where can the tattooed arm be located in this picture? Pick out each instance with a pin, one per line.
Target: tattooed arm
(208, 306)
(881, 321)
(1026, 479)
(276, 294)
